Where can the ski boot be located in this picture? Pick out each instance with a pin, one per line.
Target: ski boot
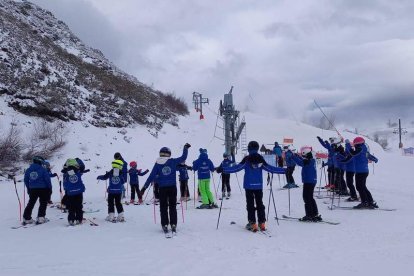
(110, 217)
(204, 206)
(131, 201)
(213, 205)
(41, 220)
(317, 218)
(27, 221)
(251, 226)
(223, 195)
(351, 199)
(173, 228)
(165, 229)
(140, 201)
(306, 218)
(120, 217)
(362, 205)
(262, 226)
(228, 194)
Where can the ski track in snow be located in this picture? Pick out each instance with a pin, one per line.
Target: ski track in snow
(365, 243)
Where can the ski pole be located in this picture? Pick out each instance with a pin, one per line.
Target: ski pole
(320, 181)
(221, 205)
(18, 198)
(330, 122)
(289, 198)
(182, 208)
(194, 189)
(280, 184)
(153, 201)
(24, 191)
(273, 197)
(270, 194)
(60, 189)
(145, 198)
(212, 176)
(106, 187)
(238, 183)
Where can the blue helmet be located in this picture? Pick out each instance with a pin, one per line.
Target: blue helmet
(165, 152)
(46, 163)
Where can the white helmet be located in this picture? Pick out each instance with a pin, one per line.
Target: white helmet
(305, 150)
(335, 140)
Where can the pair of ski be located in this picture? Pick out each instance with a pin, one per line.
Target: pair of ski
(135, 203)
(288, 218)
(29, 225)
(170, 234)
(91, 222)
(334, 207)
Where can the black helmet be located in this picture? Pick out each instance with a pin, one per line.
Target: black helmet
(117, 155)
(165, 152)
(253, 146)
(38, 160)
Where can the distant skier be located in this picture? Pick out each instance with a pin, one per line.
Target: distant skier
(183, 177)
(277, 150)
(290, 164)
(48, 168)
(330, 162)
(74, 189)
(165, 170)
(203, 166)
(82, 170)
(115, 188)
(225, 177)
(253, 166)
(134, 181)
(38, 184)
(361, 156)
(309, 179)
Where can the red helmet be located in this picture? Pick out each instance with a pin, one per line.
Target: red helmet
(133, 164)
(359, 140)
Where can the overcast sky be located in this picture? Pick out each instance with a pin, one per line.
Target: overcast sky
(356, 58)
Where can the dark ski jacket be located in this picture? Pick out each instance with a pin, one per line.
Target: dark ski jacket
(165, 170)
(288, 158)
(350, 166)
(37, 177)
(183, 170)
(226, 163)
(133, 175)
(253, 166)
(203, 166)
(308, 169)
(361, 156)
(331, 152)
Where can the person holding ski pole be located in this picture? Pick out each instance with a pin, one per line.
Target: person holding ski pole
(46, 164)
(74, 189)
(253, 165)
(225, 177)
(165, 173)
(134, 181)
(330, 162)
(203, 166)
(183, 177)
(361, 156)
(290, 168)
(309, 179)
(38, 184)
(277, 150)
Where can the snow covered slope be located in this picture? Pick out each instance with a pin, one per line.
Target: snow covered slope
(365, 243)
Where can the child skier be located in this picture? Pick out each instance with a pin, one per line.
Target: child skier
(330, 162)
(204, 167)
(183, 170)
(309, 179)
(115, 188)
(253, 165)
(74, 189)
(47, 166)
(290, 168)
(225, 177)
(38, 184)
(361, 156)
(165, 173)
(124, 170)
(277, 150)
(134, 182)
(350, 173)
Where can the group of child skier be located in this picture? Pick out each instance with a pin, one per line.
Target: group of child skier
(353, 159)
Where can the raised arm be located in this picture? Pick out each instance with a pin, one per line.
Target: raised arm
(272, 169)
(298, 160)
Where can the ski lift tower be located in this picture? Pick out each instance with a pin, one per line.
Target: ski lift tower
(232, 127)
(198, 101)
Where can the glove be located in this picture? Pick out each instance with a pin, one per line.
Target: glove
(146, 171)
(54, 175)
(187, 145)
(190, 168)
(142, 191)
(319, 138)
(219, 170)
(86, 171)
(100, 177)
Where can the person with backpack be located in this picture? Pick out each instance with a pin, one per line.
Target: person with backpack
(361, 156)
(253, 165)
(115, 188)
(134, 181)
(124, 171)
(165, 173)
(309, 179)
(204, 166)
(38, 185)
(74, 189)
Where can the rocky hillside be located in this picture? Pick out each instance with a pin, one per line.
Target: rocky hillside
(47, 71)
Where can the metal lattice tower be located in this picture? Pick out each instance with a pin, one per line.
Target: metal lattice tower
(198, 101)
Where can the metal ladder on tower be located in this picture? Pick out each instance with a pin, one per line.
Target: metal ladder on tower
(243, 140)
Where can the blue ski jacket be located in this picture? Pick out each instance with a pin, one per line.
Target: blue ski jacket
(350, 166)
(37, 177)
(183, 171)
(165, 170)
(277, 150)
(288, 158)
(361, 156)
(203, 166)
(72, 182)
(133, 175)
(308, 169)
(253, 166)
(116, 182)
(331, 152)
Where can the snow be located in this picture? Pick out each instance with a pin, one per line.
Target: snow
(365, 243)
